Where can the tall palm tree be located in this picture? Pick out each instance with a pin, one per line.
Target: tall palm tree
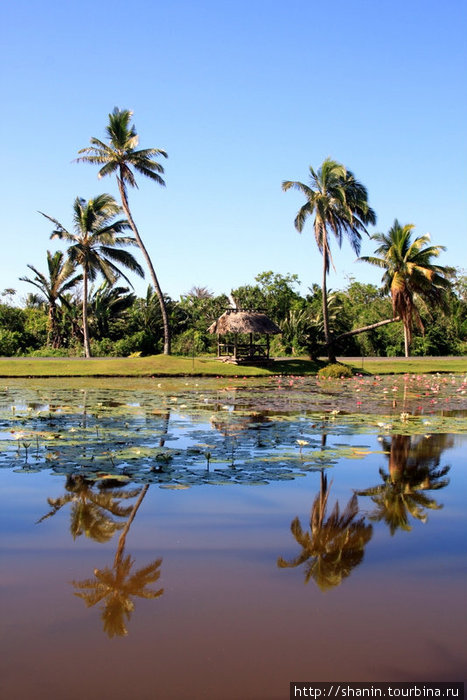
(410, 275)
(120, 156)
(95, 245)
(339, 204)
(53, 287)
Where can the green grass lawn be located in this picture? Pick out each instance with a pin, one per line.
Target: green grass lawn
(161, 365)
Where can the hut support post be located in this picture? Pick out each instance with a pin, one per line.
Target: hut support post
(251, 345)
(267, 347)
(235, 346)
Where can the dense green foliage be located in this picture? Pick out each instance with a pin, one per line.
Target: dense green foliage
(121, 323)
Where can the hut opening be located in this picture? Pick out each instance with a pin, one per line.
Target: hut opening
(243, 336)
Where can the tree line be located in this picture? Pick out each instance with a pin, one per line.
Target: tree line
(109, 319)
(49, 322)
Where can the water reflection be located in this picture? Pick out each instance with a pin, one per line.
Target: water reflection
(333, 546)
(413, 469)
(118, 585)
(92, 507)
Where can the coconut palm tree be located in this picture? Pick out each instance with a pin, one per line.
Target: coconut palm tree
(334, 545)
(410, 275)
(340, 206)
(95, 245)
(120, 156)
(53, 287)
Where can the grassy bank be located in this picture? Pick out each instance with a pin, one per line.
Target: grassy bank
(161, 365)
(412, 365)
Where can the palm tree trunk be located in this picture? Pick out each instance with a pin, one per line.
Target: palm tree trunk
(87, 347)
(331, 354)
(155, 282)
(124, 533)
(52, 326)
(371, 327)
(406, 340)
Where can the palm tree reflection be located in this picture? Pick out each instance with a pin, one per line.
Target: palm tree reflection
(92, 507)
(333, 546)
(116, 586)
(413, 470)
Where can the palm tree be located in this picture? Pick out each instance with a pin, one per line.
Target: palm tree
(334, 545)
(107, 304)
(410, 275)
(53, 287)
(339, 204)
(120, 156)
(95, 245)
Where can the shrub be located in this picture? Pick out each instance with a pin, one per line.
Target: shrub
(335, 371)
(124, 347)
(192, 342)
(47, 351)
(10, 342)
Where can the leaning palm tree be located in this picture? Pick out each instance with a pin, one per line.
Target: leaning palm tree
(339, 204)
(410, 275)
(121, 156)
(53, 287)
(95, 246)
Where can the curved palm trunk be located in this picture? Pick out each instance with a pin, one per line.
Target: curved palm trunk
(124, 533)
(87, 347)
(155, 282)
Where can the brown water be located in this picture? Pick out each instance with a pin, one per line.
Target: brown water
(236, 612)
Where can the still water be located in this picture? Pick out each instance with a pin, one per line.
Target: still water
(197, 539)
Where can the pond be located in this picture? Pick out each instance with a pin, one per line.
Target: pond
(202, 538)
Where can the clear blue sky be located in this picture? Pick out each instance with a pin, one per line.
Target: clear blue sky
(242, 95)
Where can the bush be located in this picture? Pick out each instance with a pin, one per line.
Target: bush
(48, 352)
(124, 347)
(10, 342)
(335, 371)
(193, 342)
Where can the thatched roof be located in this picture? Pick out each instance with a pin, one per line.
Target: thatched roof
(244, 322)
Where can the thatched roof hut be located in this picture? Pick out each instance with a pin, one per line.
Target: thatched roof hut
(235, 322)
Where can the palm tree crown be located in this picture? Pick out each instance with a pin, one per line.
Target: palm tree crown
(121, 157)
(95, 245)
(60, 279)
(339, 203)
(410, 275)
